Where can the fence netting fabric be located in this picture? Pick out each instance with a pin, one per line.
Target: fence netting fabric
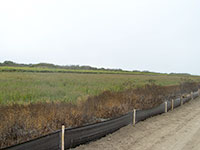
(77, 136)
(48, 142)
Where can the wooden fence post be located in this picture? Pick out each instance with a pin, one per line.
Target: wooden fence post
(192, 95)
(165, 107)
(181, 98)
(63, 138)
(172, 104)
(199, 92)
(134, 117)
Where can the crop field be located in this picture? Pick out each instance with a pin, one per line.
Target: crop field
(30, 87)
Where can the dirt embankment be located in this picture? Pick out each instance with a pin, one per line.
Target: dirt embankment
(175, 130)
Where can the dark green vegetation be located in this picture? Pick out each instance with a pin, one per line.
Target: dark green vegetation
(26, 87)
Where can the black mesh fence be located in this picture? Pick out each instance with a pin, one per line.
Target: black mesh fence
(177, 102)
(144, 114)
(77, 136)
(169, 105)
(48, 142)
(185, 100)
(196, 94)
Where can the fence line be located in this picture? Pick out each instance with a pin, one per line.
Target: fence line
(72, 137)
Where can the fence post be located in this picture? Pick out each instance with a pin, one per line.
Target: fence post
(192, 95)
(199, 92)
(172, 104)
(181, 100)
(165, 107)
(63, 138)
(134, 116)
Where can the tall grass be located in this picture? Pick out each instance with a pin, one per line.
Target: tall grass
(23, 122)
(27, 87)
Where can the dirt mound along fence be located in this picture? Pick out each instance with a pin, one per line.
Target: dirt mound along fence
(81, 135)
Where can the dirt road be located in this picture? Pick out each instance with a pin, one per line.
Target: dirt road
(177, 130)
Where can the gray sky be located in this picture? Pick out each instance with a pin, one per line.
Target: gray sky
(155, 35)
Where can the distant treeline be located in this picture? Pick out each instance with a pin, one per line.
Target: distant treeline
(185, 74)
(48, 65)
(76, 67)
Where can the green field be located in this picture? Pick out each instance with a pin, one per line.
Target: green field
(24, 87)
(60, 70)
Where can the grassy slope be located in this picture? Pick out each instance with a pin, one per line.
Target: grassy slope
(26, 87)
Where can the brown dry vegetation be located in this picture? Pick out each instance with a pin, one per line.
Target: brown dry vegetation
(20, 123)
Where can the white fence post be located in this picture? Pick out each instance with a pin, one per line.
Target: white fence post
(165, 107)
(134, 117)
(172, 104)
(63, 138)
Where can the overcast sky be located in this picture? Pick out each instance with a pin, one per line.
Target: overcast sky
(154, 35)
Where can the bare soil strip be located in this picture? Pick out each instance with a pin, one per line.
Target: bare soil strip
(175, 130)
